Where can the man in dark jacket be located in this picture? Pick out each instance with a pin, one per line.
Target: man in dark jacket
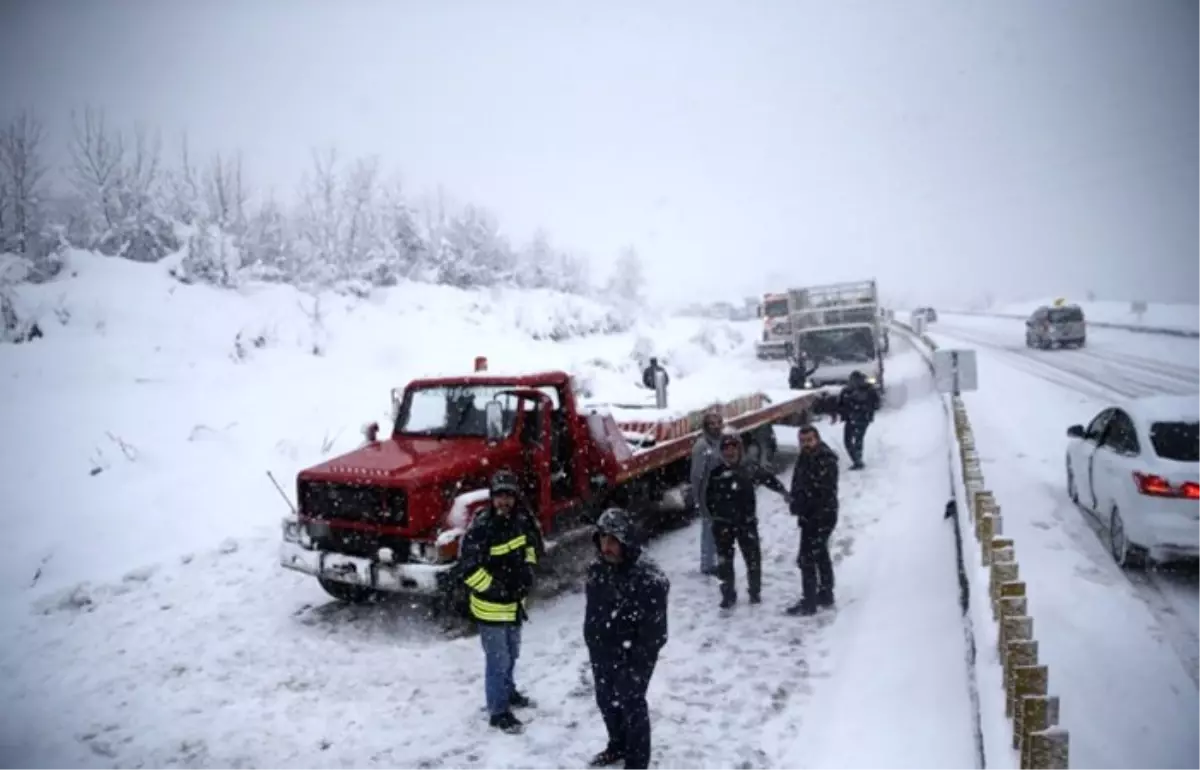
(815, 506)
(857, 405)
(624, 626)
(497, 558)
(731, 497)
(650, 371)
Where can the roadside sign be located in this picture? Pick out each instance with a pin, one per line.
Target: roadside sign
(954, 371)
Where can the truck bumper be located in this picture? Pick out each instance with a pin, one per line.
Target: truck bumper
(772, 351)
(423, 579)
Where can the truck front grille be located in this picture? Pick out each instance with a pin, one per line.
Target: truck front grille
(365, 545)
(353, 502)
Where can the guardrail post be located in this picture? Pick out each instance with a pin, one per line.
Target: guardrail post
(1038, 713)
(1049, 749)
(1018, 651)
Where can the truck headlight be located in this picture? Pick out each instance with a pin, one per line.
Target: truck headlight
(291, 531)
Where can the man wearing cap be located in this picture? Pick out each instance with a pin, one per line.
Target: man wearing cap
(625, 627)
(497, 558)
(706, 456)
(732, 503)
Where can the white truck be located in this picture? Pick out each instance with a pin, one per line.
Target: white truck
(836, 329)
(776, 342)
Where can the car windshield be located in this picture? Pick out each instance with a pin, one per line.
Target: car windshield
(853, 344)
(1062, 315)
(775, 308)
(1176, 441)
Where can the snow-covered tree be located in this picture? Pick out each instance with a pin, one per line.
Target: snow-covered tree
(627, 283)
(25, 229)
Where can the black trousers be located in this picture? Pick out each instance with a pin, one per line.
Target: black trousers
(853, 434)
(621, 696)
(745, 537)
(816, 566)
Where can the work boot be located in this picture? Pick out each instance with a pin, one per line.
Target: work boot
(803, 608)
(610, 756)
(728, 601)
(755, 599)
(508, 723)
(520, 700)
(825, 597)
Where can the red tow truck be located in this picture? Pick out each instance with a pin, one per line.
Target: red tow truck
(388, 516)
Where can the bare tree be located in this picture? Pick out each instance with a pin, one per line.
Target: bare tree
(225, 194)
(98, 160)
(184, 186)
(22, 171)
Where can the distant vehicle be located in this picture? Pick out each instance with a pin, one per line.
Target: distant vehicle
(928, 313)
(837, 329)
(776, 342)
(1060, 325)
(1136, 467)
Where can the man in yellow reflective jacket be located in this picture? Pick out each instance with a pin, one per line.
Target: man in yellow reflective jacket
(497, 560)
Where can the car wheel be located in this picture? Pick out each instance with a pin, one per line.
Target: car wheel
(1072, 491)
(1126, 554)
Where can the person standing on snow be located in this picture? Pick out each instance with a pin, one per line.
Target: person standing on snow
(625, 627)
(815, 506)
(857, 404)
(731, 502)
(650, 371)
(706, 455)
(497, 559)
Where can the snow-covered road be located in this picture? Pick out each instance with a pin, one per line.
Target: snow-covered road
(221, 658)
(1122, 648)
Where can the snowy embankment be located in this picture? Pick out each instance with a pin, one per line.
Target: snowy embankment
(1121, 648)
(138, 429)
(228, 660)
(1181, 319)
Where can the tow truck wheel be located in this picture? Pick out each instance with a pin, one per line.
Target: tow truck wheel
(347, 592)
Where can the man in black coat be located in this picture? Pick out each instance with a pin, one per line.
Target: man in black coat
(624, 626)
(731, 497)
(497, 558)
(857, 405)
(648, 374)
(815, 506)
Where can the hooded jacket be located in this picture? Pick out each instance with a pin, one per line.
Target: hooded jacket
(858, 402)
(625, 619)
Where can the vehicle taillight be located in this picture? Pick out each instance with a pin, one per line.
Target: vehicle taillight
(1156, 486)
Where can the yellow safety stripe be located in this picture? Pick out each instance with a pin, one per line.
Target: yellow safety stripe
(509, 547)
(479, 580)
(530, 555)
(492, 611)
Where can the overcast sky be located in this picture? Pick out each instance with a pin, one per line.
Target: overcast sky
(947, 148)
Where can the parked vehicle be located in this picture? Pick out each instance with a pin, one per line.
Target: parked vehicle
(1059, 325)
(838, 329)
(1136, 466)
(776, 342)
(389, 515)
(928, 313)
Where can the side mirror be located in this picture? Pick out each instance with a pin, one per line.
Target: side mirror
(370, 432)
(493, 417)
(1075, 431)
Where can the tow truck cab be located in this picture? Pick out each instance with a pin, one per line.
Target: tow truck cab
(389, 515)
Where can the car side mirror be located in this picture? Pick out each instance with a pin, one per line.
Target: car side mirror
(1075, 431)
(493, 417)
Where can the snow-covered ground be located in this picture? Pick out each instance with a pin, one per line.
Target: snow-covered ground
(1157, 315)
(1121, 647)
(193, 648)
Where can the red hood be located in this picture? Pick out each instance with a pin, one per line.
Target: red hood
(406, 459)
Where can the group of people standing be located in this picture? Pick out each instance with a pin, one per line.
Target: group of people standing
(625, 618)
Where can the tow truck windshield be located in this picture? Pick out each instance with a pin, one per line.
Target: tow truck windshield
(851, 344)
(774, 308)
(457, 411)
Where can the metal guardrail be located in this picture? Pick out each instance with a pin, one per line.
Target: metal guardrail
(1164, 330)
(1038, 740)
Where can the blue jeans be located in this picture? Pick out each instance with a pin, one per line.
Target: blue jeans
(501, 648)
(708, 546)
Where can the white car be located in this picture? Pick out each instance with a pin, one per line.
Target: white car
(1136, 466)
